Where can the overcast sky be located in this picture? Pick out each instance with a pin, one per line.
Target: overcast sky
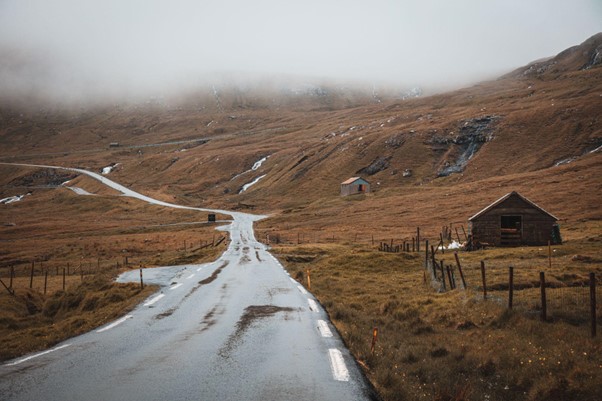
(87, 48)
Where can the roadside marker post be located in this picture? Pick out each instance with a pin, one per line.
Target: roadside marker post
(141, 281)
(374, 337)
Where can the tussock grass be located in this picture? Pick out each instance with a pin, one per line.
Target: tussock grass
(30, 321)
(446, 346)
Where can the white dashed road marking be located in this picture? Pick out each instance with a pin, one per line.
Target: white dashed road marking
(189, 277)
(294, 281)
(302, 289)
(324, 329)
(37, 355)
(153, 300)
(199, 269)
(337, 365)
(115, 323)
(312, 305)
(173, 287)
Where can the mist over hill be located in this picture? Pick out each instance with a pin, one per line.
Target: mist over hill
(537, 117)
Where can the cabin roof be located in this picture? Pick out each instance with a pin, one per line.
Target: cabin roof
(352, 180)
(503, 198)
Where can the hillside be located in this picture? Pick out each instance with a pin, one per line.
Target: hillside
(283, 150)
(541, 120)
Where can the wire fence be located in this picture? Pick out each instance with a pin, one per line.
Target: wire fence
(572, 300)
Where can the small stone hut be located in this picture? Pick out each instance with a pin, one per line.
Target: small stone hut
(513, 220)
(355, 185)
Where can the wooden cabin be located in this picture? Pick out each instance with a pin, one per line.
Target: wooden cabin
(355, 185)
(513, 220)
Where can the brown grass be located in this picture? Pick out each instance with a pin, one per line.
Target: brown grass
(453, 345)
(431, 346)
(31, 321)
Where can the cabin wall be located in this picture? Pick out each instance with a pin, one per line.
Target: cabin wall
(536, 226)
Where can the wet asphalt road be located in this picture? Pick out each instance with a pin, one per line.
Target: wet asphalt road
(236, 329)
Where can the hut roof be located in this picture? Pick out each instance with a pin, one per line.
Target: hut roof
(503, 198)
(352, 180)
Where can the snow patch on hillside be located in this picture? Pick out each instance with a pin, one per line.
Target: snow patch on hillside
(250, 184)
(12, 199)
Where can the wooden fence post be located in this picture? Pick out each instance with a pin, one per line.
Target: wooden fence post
(426, 253)
(542, 285)
(460, 269)
(443, 276)
(458, 235)
(484, 281)
(464, 231)
(510, 286)
(63, 279)
(449, 277)
(418, 239)
(592, 301)
(31, 276)
(549, 255)
(45, 280)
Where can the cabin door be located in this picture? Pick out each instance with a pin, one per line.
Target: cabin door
(511, 230)
(361, 188)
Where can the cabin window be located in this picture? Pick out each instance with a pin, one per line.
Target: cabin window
(512, 222)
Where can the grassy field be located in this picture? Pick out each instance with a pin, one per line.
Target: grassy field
(454, 345)
(57, 230)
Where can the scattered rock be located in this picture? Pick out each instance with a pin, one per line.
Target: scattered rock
(379, 164)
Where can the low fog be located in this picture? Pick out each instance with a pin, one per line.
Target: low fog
(83, 50)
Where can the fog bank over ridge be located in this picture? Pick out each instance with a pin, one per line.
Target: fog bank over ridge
(81, 50)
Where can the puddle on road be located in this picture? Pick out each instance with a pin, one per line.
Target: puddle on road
(165, 314)
(214, 274)
(252, 314)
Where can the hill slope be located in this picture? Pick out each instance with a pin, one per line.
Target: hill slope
(529, 121)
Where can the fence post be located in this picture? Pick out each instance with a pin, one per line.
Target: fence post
(549, 255)
(510, 286)
(592, 301)
(63, 279)
(45, 280)
(141, 281)
(31, 276)
(374, 337)
(418, 239)
(460, 269)
(308, 280)
(426, 253)
(542, 285)
(449, 277)
(484, 281)
(443, 276)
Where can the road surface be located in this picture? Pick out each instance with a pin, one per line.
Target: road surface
(236, 329)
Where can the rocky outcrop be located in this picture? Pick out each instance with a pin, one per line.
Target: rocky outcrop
(461, 147)
(379, 164)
